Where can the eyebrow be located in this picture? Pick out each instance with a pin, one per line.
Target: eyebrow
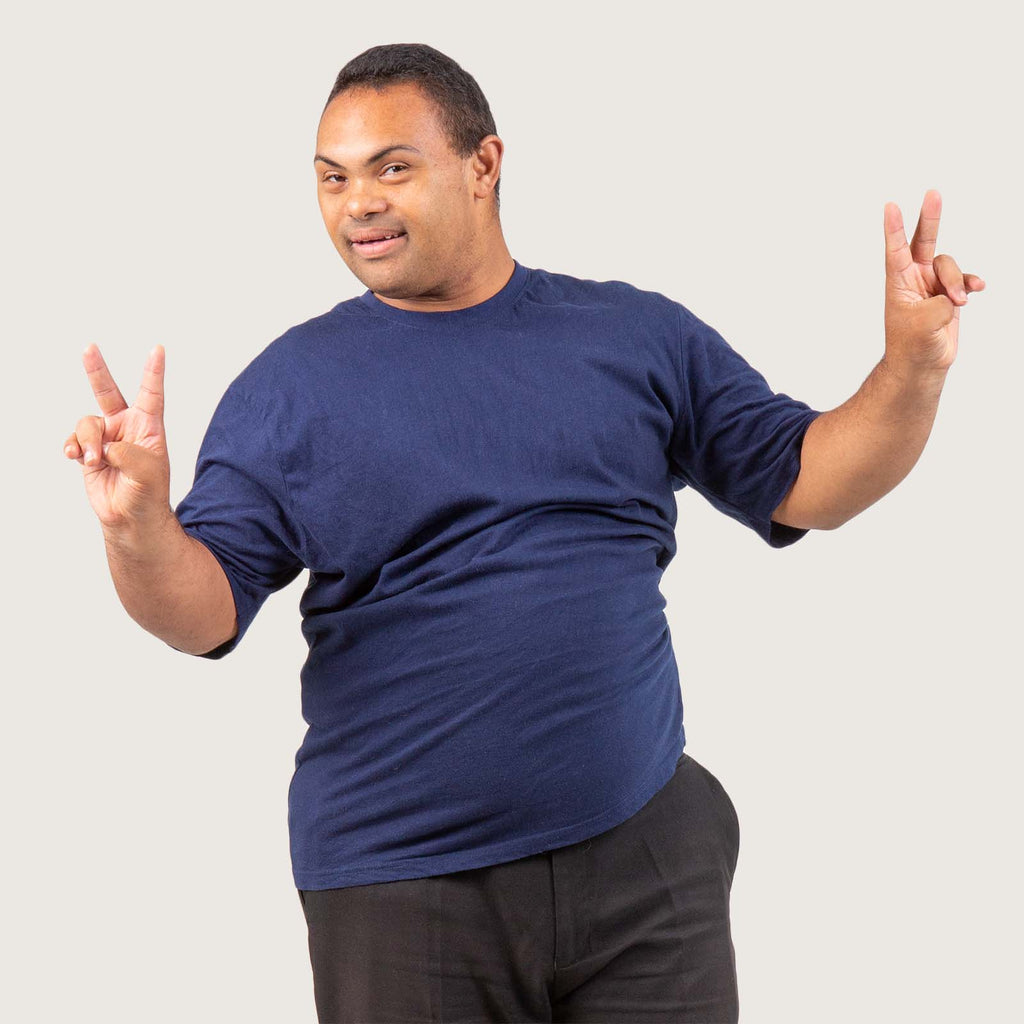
(379, 155)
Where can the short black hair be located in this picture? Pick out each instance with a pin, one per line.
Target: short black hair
(465, 113)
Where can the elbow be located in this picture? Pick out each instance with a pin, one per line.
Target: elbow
(789, 514)
(821, 521)
(202, 647)
(830, 524)
(804, 511)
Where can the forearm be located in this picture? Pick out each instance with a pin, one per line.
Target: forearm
(854, 454)
(171, 585)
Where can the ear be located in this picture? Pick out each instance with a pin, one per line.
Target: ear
(485, 165)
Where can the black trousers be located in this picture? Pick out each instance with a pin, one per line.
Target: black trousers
(629, 926)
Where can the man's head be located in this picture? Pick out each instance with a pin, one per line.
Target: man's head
(406, 146)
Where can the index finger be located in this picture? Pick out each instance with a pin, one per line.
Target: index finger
(897, 252)
(107, 393)
(922, 246)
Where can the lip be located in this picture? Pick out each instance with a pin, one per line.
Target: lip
(377, 248)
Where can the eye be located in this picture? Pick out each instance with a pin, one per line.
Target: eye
(333, 175)
(395, 167)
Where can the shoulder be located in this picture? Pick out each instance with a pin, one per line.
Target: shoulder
(610, 297)
(292, 358)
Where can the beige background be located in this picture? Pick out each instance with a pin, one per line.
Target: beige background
(859, 695)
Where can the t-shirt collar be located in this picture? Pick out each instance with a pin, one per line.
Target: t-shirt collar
(500, 302)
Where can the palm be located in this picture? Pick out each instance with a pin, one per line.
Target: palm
(109, 488)
(917, 283)
(917, 331)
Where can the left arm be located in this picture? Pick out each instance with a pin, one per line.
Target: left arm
(856, 453)
(861, 450)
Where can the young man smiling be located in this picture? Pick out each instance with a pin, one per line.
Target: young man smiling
(386, 166)
(492, 815)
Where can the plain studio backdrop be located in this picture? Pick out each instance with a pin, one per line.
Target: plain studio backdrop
(858, 694)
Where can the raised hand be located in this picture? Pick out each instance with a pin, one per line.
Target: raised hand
(923, 293)
(123, 452)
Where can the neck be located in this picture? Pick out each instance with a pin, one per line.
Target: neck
(486, 275)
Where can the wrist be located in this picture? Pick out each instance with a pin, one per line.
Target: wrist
(913, 377)
(141, 537)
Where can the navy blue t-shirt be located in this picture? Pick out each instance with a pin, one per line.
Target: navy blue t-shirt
(484, 500)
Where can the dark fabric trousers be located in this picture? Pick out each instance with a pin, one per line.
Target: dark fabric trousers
(629, 926)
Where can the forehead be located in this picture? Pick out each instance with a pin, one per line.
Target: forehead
(362, 120)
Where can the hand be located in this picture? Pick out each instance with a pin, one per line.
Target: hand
(123, 453)
(923, 293)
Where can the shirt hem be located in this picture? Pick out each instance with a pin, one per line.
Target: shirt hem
(422, 867)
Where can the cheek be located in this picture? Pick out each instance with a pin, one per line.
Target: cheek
(328, 213)
(446, 217)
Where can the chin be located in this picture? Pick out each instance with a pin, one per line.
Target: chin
(390, 289)
(386, 281)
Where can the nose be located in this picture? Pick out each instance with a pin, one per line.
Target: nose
(364, 198)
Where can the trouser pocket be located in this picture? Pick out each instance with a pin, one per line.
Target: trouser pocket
(727, 813)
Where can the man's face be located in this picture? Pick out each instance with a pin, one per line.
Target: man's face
(385, 166)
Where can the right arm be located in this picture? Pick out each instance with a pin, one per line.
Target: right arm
(172, 586)
(169, 582)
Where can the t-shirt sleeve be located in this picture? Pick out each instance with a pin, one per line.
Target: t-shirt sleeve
(735, 441)
(239, 508)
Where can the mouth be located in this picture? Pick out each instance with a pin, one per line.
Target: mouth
(377, 243)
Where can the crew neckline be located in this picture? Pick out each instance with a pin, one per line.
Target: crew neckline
(500, 302)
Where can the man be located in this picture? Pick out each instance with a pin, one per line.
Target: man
(492, 816)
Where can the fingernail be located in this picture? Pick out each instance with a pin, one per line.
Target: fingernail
(90, 455)
(963, 295)
(68, 449)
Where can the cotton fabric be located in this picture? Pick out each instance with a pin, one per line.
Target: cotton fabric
(484, 501)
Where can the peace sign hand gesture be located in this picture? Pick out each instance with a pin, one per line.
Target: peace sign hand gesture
(123, 452)
(923, 293)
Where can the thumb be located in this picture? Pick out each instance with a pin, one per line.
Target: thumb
(933, 314)
(137, 463)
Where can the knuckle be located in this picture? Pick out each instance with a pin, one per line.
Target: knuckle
(89, 427)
